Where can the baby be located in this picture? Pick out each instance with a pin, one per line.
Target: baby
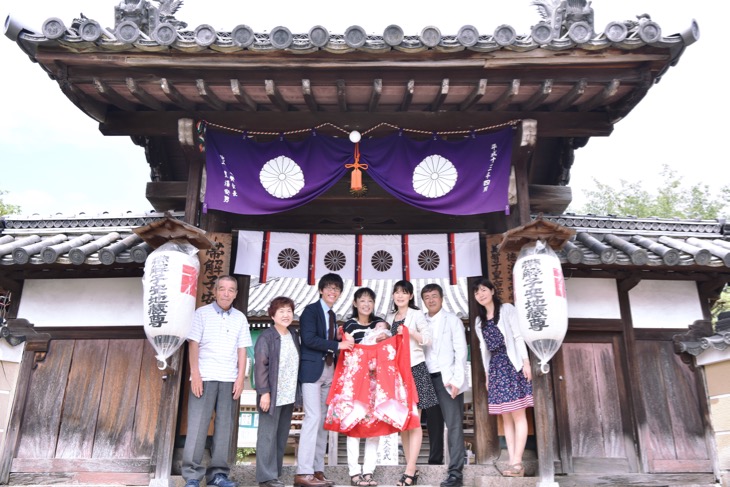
(371, 336)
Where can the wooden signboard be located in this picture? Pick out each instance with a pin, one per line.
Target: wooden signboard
(214, 262)
(500, 265)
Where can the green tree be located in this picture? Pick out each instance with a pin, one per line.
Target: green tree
(673, 199)
(6, 208)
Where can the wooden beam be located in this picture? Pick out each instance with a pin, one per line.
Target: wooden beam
(407, 96)
(500, 59)
(506, 97)
(275, 96)
(106, 91)
(342, 95)
(168, 88)
(84, 102)
(549, 199)
(567, 100)
(144, 98)
(628, 102)
(441, 96)
(208, 96)
(476, 94)
(601, 98)
(242, 97)
(560, 124)
(375, 95)
(539, 96)
(308, 96)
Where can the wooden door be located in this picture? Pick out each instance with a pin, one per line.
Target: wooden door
(89, 414)
(676, 437)
(592, 407)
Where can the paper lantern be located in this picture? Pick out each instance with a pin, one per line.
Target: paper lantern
(170, 285)
(542, 307)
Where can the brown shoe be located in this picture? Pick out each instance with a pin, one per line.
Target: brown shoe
(308, 480)
(320, 476)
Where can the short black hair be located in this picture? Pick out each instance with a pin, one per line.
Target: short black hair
(331, 279)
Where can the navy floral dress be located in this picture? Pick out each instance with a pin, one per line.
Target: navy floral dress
(508, 389)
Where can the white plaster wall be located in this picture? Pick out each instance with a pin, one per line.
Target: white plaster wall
(665, 304)
(592, 298)
(82, 302)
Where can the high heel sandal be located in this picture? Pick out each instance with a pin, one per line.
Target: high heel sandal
(405, 478)
(516, 470)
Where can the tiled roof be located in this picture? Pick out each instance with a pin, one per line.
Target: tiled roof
(100, 240)
(645, 241)
(87, 34)
(701, 336)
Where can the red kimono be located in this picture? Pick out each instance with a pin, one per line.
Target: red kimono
(373, 392)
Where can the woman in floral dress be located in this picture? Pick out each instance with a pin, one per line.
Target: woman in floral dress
(507, 367)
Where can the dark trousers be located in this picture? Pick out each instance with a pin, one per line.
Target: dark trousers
(435, 427)
(452, 411)
(218, 397)
(271, 442)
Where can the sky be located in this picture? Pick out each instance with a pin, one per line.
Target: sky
(53, 159)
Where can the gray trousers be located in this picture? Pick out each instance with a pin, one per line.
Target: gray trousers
(218, 397)
(313, 437)
(271, 442)
(453, 413)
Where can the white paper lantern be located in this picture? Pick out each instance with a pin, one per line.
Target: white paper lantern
(542, 306)
(170, 286)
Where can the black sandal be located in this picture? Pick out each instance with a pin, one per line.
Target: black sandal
(358, 481)
(368, 477)
(405, 477)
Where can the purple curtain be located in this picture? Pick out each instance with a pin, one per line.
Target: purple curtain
(465, 177)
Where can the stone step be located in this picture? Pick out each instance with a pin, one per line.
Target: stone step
(480, 476)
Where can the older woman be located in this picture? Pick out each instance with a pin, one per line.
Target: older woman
(276, 369)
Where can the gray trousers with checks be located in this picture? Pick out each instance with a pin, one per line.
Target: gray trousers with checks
(218, 397)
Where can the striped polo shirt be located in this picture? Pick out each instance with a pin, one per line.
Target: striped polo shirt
(220, 334)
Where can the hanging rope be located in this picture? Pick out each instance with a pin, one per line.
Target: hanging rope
(511, 123)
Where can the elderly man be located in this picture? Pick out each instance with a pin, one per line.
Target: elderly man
(446, 361)
(217, 347)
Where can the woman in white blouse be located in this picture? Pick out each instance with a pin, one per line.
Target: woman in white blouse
(406, 313)
(507, 367)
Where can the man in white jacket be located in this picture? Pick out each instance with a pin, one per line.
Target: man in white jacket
(446, 361)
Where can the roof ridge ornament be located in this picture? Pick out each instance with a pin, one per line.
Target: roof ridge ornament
(146, 16)
(562, 15)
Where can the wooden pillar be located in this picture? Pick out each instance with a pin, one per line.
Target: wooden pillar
(167, 421)
(524, 147)
(486, 439)
(36, 348)
(544, 425)
(186, 137)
